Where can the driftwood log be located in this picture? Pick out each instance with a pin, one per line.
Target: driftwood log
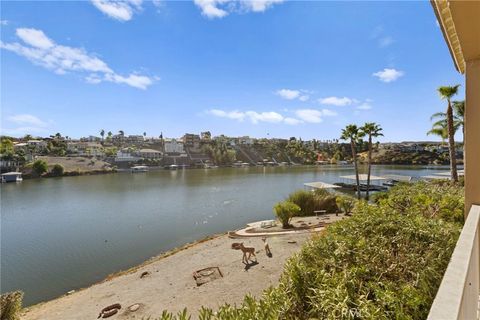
(109, 311)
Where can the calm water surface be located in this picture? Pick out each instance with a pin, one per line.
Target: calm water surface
(60, 234)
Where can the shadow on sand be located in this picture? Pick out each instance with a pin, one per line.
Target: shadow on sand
(250, 264)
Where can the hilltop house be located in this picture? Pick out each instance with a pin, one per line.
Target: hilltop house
(173, 146)
(79, 148)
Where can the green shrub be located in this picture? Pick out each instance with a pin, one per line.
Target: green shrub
(345, 203)
(39, 167)
(376, 265)
(327, 203)
(305, 200)
(57, 170)
(10, 305)
(438, 199)
(384, 262)
(309, 201)
(285, 211)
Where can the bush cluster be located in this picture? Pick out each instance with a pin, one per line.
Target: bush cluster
(438, 199)
(10, 305)
(285, 211)
(57, 170)
(310, 201)
(384, 262)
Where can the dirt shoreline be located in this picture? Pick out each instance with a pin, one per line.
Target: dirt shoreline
(170, 284)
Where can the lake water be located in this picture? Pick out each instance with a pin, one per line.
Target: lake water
(59, 234)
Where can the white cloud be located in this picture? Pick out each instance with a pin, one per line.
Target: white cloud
(292, 121)
(301, 116)
(309, 115)
(35, 38)
(210, 8)
(158, 3)
(288, 94)
(364, 106)
(3, 22)
(21, 131)
(221, 8)
(43, 51)
(25, 124)
(259, 5)
(120, 10)
(314, 115)
(329, 113)
(254, 116)
(388, 75)
(385, 41)
(26, 119)
(336, 101)
(437, 23)
(270, 116)
(235, 115)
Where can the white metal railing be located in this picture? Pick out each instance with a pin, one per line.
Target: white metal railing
(458, 295)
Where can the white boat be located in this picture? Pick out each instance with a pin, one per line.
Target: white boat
(172, 167)
(11, 177)
(139, 169)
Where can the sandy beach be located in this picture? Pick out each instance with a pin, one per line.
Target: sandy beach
(170, 284)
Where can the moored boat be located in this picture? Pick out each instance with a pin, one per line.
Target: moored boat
(11, 177)
(139, 169)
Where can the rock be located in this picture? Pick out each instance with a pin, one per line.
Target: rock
(134, 307)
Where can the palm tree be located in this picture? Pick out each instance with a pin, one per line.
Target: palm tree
(120, 132)
(371, 129)
(459, 115)
(352, 133)
(440, 129)
(109, 135)
(446, 93)
(102, 133)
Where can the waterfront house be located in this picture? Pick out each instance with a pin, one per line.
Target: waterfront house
(458, 295)
(149, 154)
(173, 146)
(125, 155)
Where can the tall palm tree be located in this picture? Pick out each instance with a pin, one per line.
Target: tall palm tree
(109, 135)
(372, 130)
(440, 129)
(352, 133)
(102, 133)
(446, 93)
(459, 115)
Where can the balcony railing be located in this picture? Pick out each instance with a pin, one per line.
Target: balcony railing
(458, 295)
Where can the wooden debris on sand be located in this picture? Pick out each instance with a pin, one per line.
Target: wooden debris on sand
(206, 275)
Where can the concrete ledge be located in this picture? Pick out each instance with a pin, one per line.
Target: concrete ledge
(457, 297)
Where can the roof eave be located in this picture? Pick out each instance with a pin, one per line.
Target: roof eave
(444, 18)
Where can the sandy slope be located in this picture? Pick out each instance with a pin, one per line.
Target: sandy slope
(171, 286)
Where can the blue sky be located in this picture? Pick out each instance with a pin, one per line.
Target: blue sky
(267, 68)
